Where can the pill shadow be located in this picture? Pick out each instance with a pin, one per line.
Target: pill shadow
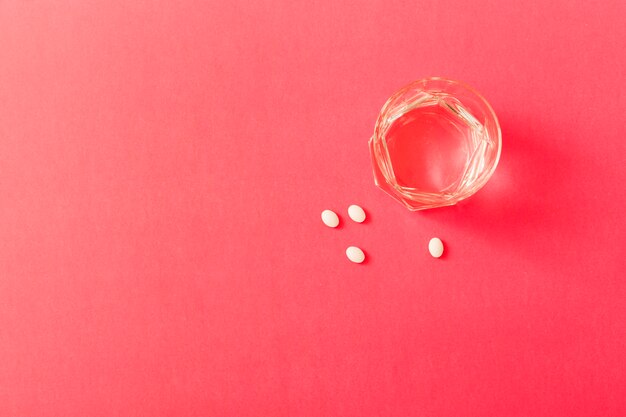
(367, 259)
(367, 217)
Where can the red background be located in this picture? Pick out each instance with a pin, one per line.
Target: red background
(163, 166)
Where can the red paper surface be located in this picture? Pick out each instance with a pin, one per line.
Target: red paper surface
(163, 167)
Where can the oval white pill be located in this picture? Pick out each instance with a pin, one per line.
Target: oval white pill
(435, 247)
(355, 254)
(330, 218)
(356, 213)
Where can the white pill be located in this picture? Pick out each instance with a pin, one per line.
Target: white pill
(355, 254)
(435, 247)
(356, 213)
(330, 218)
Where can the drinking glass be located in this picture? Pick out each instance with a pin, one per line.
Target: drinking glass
(436, 142)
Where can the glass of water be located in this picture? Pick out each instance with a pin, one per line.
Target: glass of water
(436, 142)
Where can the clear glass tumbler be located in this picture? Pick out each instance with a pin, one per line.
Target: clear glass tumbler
(436, 142)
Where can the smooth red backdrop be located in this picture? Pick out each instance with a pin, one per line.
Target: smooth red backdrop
(163, 166)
